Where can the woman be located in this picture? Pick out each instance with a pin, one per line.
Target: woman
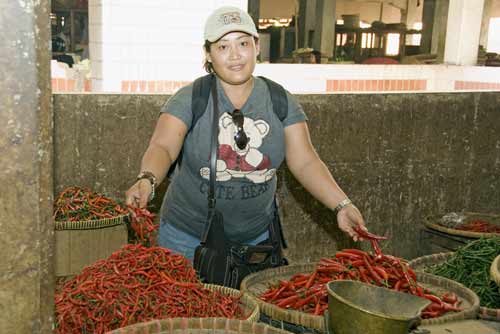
(246, 180)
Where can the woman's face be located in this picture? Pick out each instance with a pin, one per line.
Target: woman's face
(233, 57)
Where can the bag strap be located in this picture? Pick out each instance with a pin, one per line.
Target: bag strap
(213, 148)
(277, 226)
(213, 163)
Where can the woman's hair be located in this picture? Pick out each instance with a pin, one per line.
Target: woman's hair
(208, 65)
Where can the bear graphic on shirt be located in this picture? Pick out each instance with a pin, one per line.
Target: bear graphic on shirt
(248, 162)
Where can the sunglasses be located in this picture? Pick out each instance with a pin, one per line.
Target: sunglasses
(240, 137)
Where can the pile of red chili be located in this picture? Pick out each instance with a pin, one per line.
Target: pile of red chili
(136, 284)
(307, 292)
(481, 226)
(82, 204)
(142, 223)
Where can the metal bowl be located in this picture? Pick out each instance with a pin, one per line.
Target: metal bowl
(358, 308)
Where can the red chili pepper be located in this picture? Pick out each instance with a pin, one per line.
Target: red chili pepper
(311, 279)
(449, 297)
(288, 301)
(377, 250)
(348, 255)
(433, 298)
(317, 308)
(355, 251)
(142, 224)
(136, 284)
(372, 272)
(381, 272)
(367, 235)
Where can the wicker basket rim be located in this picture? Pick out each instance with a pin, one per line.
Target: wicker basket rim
(495, 271)
(453, 231)
(275, 312)
(428, 259)
(468, 213)
(456, 287)
(89, 224)
(201, 324)
(251, 303)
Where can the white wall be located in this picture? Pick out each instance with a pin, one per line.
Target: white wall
(148, 39)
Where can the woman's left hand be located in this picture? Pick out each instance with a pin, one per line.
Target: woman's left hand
(349, 217)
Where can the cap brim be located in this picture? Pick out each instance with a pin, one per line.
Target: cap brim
(236, 28)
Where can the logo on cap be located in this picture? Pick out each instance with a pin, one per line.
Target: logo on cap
(230, 18)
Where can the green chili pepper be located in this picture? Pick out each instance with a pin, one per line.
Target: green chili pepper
(470, 265)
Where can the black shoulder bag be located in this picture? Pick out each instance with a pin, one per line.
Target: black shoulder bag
(219, 260)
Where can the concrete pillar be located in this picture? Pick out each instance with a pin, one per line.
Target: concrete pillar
(254, 11)
(485, 23)
(463, 29)
(26, 227)
(439, 32)
(427, 25)
(324, 32)
(302, 23)
(307, 22)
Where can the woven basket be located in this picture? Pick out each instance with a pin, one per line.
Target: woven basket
(89, 224)
(198, 326)
(259, 282)
(432, 222)
(255, 284)
(439, 285)
(81, 243)
(249, 305)
(419, 264)
(495, 271)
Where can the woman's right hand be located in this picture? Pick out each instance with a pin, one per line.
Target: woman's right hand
(138, 194)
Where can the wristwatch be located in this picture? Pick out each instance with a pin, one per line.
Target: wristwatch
(342, 205)
(151, 178)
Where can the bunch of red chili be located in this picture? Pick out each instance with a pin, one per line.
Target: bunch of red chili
(81, 204)
(142, 223)
(307, 292)
(481, 226)
(136, 284)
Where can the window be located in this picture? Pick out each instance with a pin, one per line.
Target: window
(392, 47)
(493, 44)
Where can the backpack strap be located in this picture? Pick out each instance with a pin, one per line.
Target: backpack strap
(199, 102)
(278, 98)
(199, 97)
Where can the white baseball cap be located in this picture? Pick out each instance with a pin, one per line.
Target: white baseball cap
(227, 19)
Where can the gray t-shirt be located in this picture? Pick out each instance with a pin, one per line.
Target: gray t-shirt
(246, 179)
